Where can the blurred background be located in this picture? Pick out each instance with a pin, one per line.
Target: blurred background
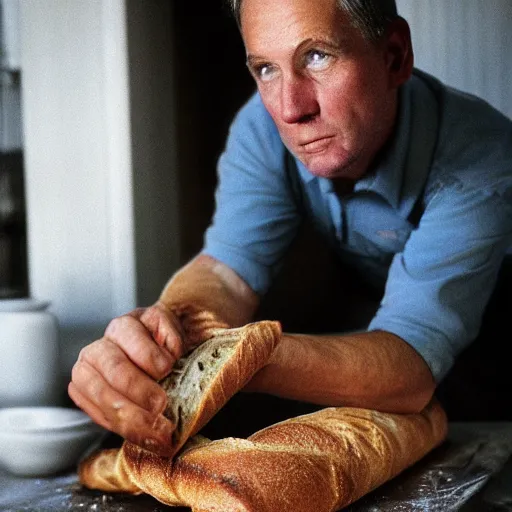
(112, 116)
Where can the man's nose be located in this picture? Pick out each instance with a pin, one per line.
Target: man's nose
(298, 100)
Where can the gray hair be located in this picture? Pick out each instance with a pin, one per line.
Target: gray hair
(371, 17)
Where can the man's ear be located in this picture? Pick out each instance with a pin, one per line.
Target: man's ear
(399, 53)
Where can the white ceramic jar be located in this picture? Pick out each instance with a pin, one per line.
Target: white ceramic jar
(29, 354)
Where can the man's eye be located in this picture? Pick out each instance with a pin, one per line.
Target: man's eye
(265, 72)
(317, 59)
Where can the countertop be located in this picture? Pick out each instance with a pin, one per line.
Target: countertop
(471, 471)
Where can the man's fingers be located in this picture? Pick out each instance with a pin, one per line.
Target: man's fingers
(137, 342)
(103, 367)
(129, 421)
(114, 379)
(165, 329)
(117, 412)
(88, 407)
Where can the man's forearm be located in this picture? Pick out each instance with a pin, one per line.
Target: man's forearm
(210, 285)
(375, 370)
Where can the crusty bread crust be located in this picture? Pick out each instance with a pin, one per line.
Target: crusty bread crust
(321, 461)
(105, 471)
(203, 381)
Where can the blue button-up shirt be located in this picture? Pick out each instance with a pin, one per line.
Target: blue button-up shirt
(432, 222)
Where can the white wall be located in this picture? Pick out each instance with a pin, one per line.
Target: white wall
(77, 161)
(90, 163)
(467, 44)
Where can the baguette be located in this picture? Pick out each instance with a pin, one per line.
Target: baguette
(321, 461)
(104, 470)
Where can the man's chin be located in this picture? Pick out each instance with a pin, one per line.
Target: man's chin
(331, 170)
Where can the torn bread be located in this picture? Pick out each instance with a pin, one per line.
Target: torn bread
(201, 383)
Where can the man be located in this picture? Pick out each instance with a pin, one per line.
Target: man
(408, 180)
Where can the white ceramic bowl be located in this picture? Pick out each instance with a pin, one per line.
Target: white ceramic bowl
(38, 441)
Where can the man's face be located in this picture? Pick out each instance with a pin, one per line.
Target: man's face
(327, 88)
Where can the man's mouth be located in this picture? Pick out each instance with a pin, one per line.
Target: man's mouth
(316, 145)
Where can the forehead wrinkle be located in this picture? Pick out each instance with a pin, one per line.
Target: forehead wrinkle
(298, 28)
(275, 38)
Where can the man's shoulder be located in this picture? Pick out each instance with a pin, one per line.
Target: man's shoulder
(474, 145)
(463, 112)
(452, 98)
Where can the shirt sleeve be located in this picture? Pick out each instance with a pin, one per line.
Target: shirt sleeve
(438, 287)
(256, 216)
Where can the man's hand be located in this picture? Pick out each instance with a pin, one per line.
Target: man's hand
(114, 378)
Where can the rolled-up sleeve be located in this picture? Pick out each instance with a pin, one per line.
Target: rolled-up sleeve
(439, 285)
(256, 217)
